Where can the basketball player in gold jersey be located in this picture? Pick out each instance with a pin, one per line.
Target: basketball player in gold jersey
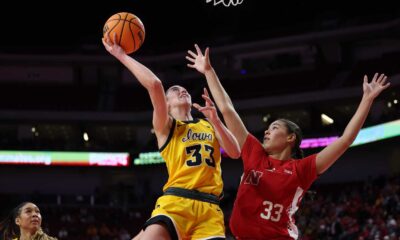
(189, 208)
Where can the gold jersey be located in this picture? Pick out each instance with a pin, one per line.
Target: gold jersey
(193, 157)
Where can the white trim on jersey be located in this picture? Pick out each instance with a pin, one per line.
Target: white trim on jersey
(292, 228)
(212, 237)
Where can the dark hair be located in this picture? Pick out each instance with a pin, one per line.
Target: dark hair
(8, 228)
(294, 128)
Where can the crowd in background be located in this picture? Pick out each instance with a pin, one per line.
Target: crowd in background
(367, 210)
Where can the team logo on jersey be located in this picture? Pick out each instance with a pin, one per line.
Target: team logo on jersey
(194, 136)
(288, 171)
(253, 177)
(271, 170)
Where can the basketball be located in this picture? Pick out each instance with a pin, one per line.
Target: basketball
(129, 31)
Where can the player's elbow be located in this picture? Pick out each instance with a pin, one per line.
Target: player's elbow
(226, 109)
(155, 85)
(346, 141)
(235, 154)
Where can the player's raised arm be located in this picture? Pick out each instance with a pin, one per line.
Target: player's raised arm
(331, 153)
(161, 119)
(201, 62)
(225, 138)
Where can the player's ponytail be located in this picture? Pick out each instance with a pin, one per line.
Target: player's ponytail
(292, 127)
(298, 153)
(8, 228)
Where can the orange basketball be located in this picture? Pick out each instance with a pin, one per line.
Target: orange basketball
(129, 31)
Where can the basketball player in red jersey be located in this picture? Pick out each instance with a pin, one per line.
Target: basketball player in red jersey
(273, 182)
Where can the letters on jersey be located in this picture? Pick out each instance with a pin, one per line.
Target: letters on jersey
(192, 155)
(197, 136)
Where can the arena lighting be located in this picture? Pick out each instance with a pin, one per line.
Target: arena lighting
(85, 136)
(120, 159)
(148, 158)
(317, 142)
(326, 120)
(366, 135)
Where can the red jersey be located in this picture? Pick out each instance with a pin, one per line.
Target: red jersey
(269, 194)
